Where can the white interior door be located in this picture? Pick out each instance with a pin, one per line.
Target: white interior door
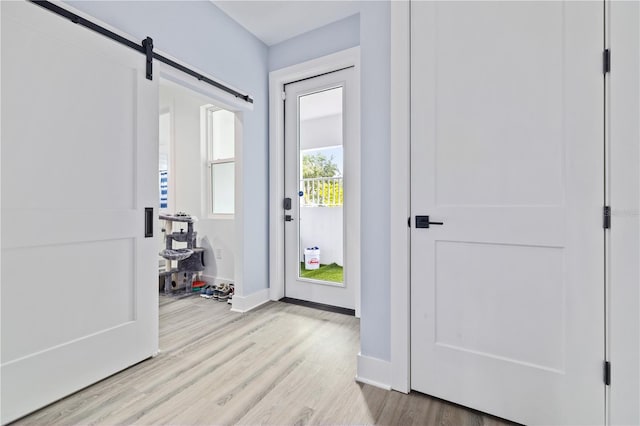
(507, 306)
(79, 166)
(321, 151)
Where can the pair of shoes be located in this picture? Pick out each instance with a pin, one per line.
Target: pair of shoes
(222, 292)
(207, 291)
(231, 293)
(225, 292)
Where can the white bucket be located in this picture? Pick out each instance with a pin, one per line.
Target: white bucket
(311, 258)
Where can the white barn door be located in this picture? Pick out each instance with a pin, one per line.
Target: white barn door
(507, 296)
(79, 166)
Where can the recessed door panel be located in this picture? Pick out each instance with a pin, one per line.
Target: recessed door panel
(507, 295)
(79, 167)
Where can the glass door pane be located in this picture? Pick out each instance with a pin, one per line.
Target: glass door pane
(320, 155)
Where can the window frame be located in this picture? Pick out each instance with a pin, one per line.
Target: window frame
(210, 163)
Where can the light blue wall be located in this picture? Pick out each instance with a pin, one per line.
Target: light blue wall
(200, 34)
(371, 30)
(375, 51)
(323, 41)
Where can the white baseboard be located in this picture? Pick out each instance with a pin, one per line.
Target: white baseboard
(374, 371)
(246, 303)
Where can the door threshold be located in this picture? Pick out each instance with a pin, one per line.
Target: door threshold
(321, 306)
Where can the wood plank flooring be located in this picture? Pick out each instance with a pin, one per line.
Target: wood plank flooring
(279, 364)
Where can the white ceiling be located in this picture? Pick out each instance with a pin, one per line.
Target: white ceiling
(276, 21)
(321, 104)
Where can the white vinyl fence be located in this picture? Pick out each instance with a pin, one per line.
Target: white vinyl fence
(323, 191)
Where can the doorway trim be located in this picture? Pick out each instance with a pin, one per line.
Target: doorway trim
(400, 175)
(239, 108)
(623, 187)
(277, 80)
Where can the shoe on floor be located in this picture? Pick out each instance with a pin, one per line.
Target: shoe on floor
(217, 290)
(223, 292)
(207, 292)
(231, 293)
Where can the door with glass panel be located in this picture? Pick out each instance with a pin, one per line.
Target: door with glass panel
(319, 126)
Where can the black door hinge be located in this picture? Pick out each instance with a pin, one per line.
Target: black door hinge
(607, 373)
(606, 217)
(409, 222)
(606, 61)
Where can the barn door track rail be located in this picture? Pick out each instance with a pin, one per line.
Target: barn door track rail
(145, 48)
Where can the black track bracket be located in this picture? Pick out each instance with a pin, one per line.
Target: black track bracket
(147, 45)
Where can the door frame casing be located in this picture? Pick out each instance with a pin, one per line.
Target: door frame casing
(400, 208)
(623, 190)
(277, 80)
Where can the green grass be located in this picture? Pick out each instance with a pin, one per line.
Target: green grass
(332, 272)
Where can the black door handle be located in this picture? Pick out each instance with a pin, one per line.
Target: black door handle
(424, 222)
(148, 222)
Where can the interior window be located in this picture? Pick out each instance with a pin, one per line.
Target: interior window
(221, 151)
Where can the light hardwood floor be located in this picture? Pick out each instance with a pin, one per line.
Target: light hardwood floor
(279, 364)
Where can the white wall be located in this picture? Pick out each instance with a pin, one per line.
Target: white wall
(217, 236)
(322, 227)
